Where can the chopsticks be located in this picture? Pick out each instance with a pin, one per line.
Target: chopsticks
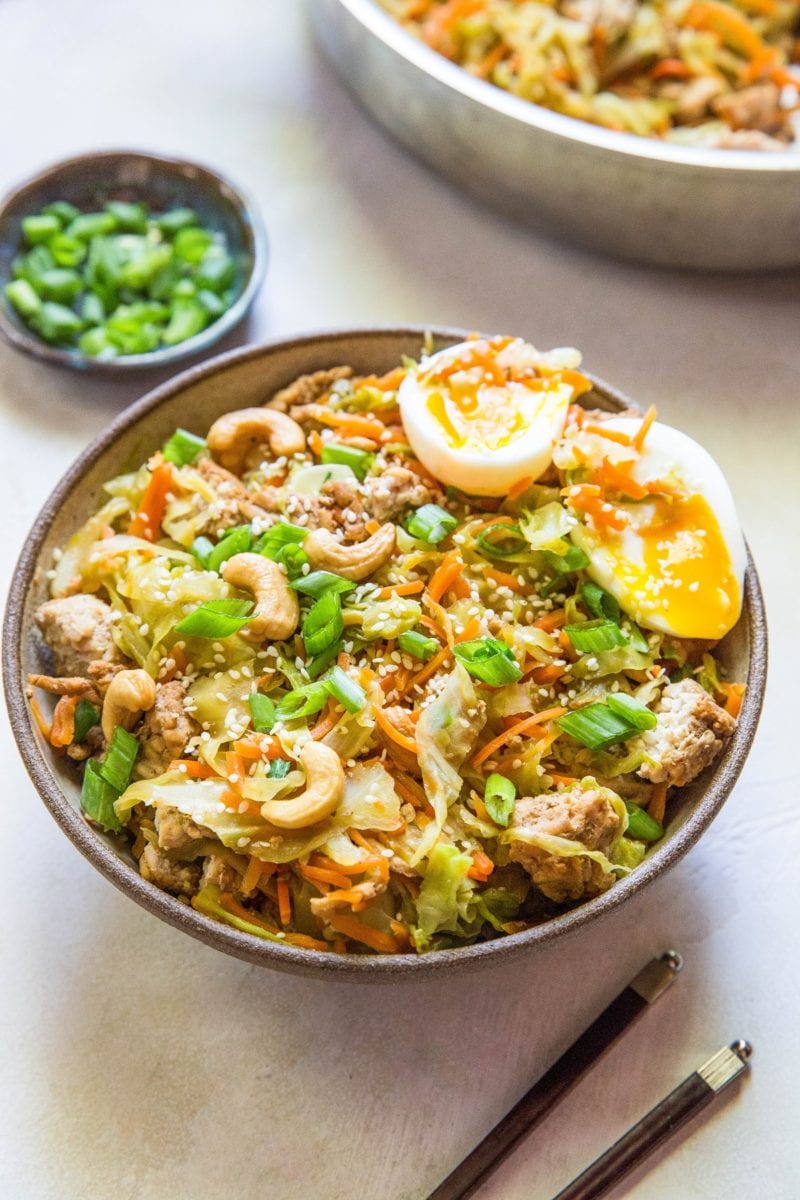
(689, 1098)
(641, 992)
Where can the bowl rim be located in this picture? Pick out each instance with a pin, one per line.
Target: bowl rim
(391, 33)
(288, 958)
(248, 214)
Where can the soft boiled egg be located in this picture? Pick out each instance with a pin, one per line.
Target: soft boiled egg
(668, 546)
(485, 414)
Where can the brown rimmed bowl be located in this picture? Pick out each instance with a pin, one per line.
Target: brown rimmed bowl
(88, 181)
(194, 399)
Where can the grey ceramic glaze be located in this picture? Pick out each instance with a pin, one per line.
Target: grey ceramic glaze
(87, 181)
(640, 198)
(194, 399)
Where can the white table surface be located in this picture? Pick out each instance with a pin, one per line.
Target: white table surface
(140, 1065)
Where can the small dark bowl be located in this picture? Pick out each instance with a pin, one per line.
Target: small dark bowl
(88, 181)
(240, 379)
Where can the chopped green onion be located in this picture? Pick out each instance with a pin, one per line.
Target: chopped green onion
(183, 447)
(67, 251)
(279, 535)
(600, 602)
(92, 311)
(631, 710)
(316, 583)
(359, 461)
(499, 796)
(202, 548)
(118, 764)
(62, 210)
(96, 343)
(40, 229)
(236, 541)
(346, 690)
(191, 243)
(23, 297)
(87, 715)
(178, 218)
(573, 559)
(97, 798)
(188, 319)
(279, 768)
(262, 710)
(637, 639)
(212, 303)
(216, 270)
(303, 701)
(431, 524)
(488, 660)
(56, 323)
(320, 662)
(641, 825)
(323, 624)
(595, 636)
(418, 645)
(129, 217)
(596, 726)
(216, 619)
(293, 558)
(90, 225)
(502, 541)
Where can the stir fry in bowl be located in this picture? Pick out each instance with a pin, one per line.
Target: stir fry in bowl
(400, 663)
(722, 73)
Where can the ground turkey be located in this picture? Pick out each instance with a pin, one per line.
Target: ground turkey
(180, 878)
(392, 492)
(690, 733)
(178, 833)
(308, 388)
(78, 630)
(165, 730)
(580, 816)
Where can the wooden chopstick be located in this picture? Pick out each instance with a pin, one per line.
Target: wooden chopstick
(573, 1064)
(696, 1091)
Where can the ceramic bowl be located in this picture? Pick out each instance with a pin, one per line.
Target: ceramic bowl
(88, 181)
(194, 399)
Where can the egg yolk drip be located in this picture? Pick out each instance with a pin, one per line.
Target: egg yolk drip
(481, 404)
(672, 560)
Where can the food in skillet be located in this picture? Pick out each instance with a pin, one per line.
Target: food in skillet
(720, 73)
(400, 663)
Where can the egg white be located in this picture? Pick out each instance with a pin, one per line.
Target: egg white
(478, 467)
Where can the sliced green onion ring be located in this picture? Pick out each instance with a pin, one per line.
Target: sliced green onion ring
(499, 796)
(631, 710)
(216, 619)
(431, 523)
(592, 637)
(346, 690)
(488, 660)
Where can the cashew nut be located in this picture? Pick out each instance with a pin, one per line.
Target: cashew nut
(355, 561)
(323, 791)
(234, 435)
(129, 694)
(277, 609)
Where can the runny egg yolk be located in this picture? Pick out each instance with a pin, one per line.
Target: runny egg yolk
(672, 566)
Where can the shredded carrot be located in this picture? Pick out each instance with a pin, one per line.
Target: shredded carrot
(339, 945)
(325, 875)
(39, 717)
(351, 424)
(235, 766)
(257, 746)
(326, 722)
(252, 875)
(558, 778)
(482, 866)
(481, 811)
(352, 928)
(470, 631)
(393, 733)
(546, 674)
(673, 68)
(192, 768)
(734, 695)
(644, 428)
(548, 714)
(178, 665)
(445, 574)
(231, 905)
(401, 589)
(372, 526)
(730, 26)
(250, 751)
(147, 521)
(552, 620)
(658, 803)
(304, 942)
(284, 900)
(433, 628)
(503, 579)
(315, 443)
(430, 668)
(350, 895)
(63, 728)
